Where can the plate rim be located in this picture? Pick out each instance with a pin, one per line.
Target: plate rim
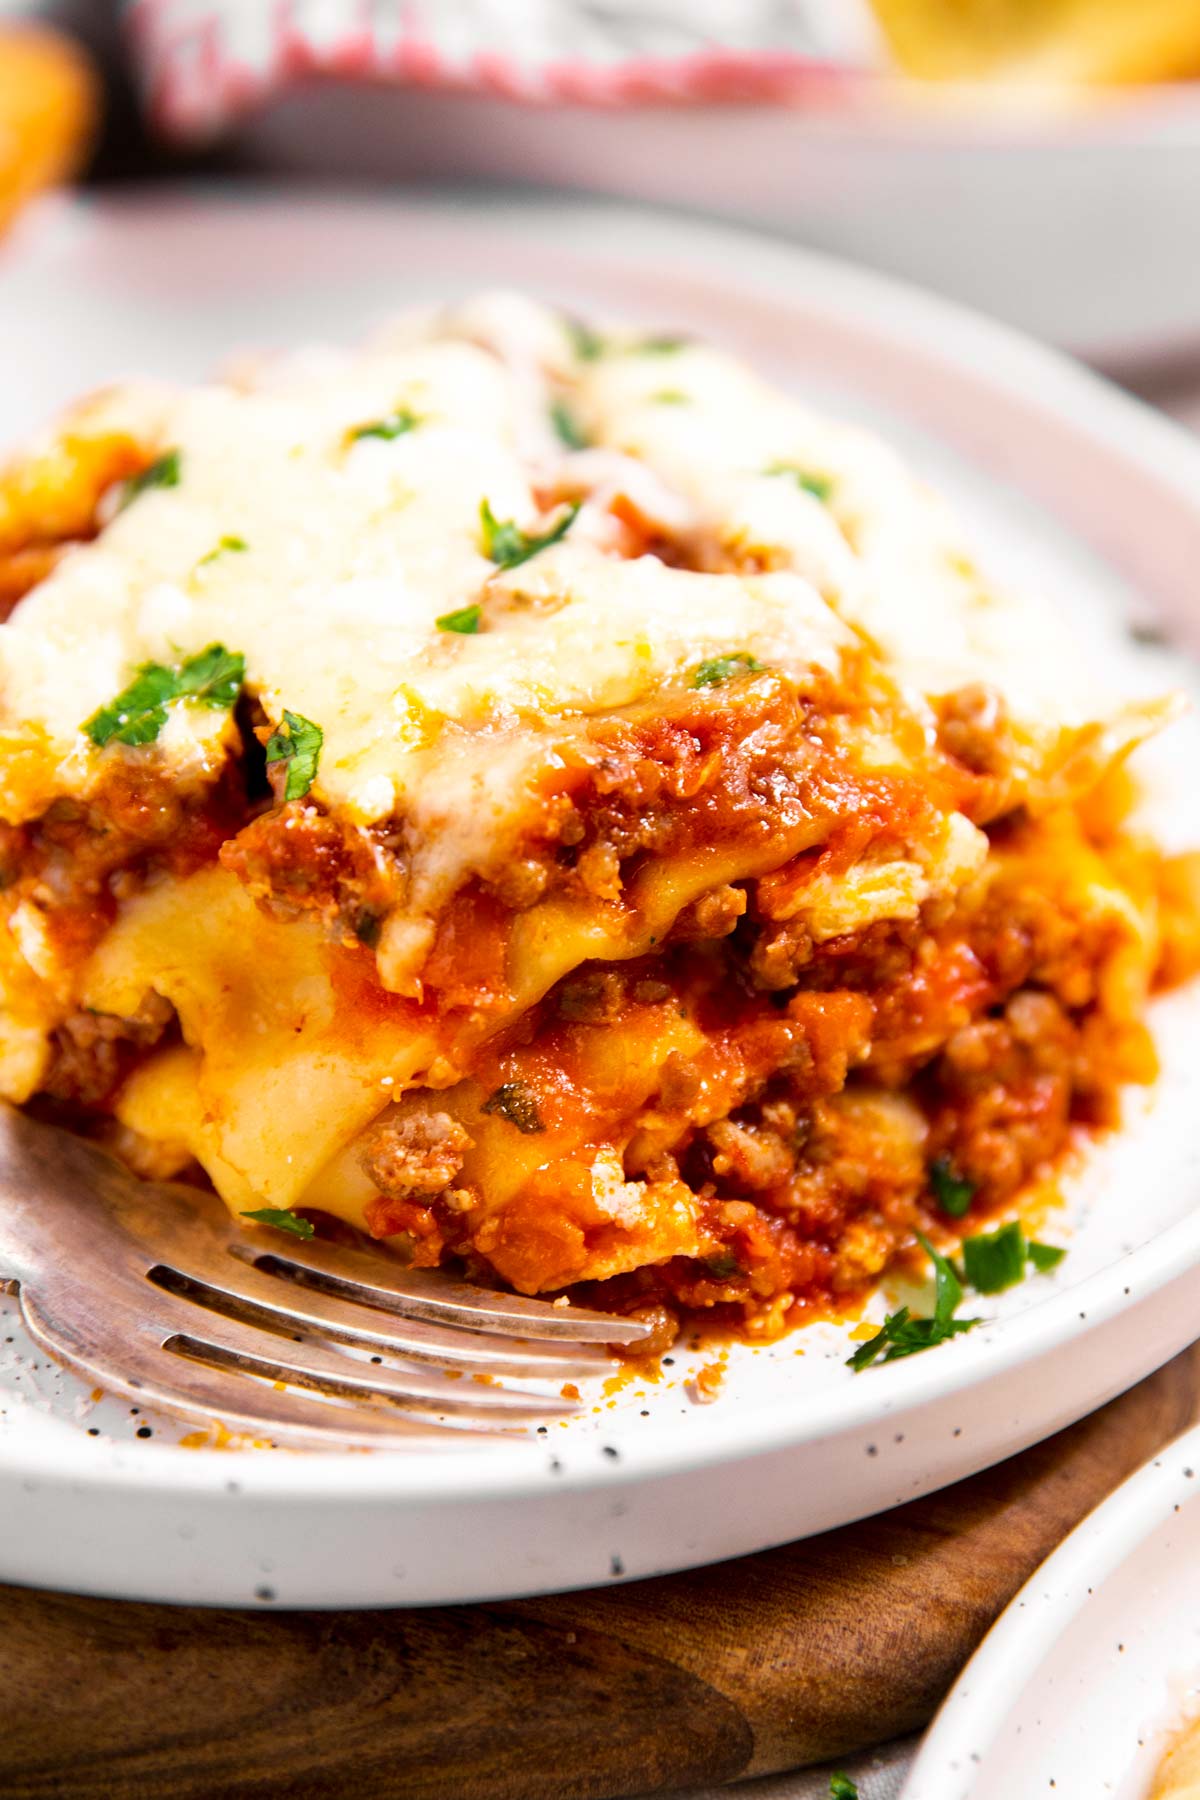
(1045, 381)
(976, 1712)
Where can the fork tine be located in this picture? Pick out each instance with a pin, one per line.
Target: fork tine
(437, 1297)
(240, 1289)
(317, 1369)
(227, 1343)
(140, 1370)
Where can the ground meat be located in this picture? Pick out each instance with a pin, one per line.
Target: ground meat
(595, 996)
(1003, 1091)
(599, 870)
(711, 915)
(974, 729)
(297, 857)
(679, 1083)
(748, 1156)
(83, 856)
(520, 884)
(420, 1228)
(779, 953)
(21, 572)
(94, 1051)
(415, 1156)
(664, 1329)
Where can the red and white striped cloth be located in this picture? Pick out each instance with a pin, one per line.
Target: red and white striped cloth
(206, 63)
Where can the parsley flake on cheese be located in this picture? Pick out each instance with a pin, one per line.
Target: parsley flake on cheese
(297, 743)
(718, 669)
(587, 344)
(819, 486)
(660, 344)
(213, 678)
(508, 546)
(222, 547)
(566, 427)
(466, 621)
(392, 425)
(163, 472)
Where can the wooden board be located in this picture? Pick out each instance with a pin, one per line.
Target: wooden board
(764, 1663)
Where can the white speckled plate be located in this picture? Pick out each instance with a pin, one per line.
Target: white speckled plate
(1080, 1686)
(1065, 486)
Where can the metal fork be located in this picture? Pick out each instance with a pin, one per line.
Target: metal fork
(154, 1291)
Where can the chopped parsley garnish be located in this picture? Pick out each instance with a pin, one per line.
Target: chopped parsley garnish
(723, 1265)
(297, 742)
(508, 546)
(587, 344)
(841, 1787)
(720, 668)
(671, 397)
(661, 344)
(566, 428)
(819, 486)
(902, 1335)
(283, 1219)
(995, 1260)
(514, 1102)
(164, 472)
(368, 928)
(221, 547)
(466, 620)
(392, 425)
(952, 1192)
(214, 678)
(139, 712)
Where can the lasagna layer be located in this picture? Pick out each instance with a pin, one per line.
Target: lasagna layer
(553, 803)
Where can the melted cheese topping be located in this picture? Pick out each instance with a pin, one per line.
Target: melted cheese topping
(354, 549)
(873, 538)
(356, 546)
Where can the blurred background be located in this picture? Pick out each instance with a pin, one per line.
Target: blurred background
(1039, 159)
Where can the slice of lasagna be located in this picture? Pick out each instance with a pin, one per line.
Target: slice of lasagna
(555, 803)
